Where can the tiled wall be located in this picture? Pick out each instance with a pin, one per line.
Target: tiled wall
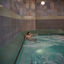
(26, 25)
(50, 24)
(10, 27)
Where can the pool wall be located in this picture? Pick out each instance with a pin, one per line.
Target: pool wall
(50, 24)
(9, 51)
(9, 27)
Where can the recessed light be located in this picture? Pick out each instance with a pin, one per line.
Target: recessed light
(42, 2)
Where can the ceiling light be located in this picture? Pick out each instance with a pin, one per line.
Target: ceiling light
(42, 2)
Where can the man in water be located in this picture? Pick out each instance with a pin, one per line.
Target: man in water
(29, 35)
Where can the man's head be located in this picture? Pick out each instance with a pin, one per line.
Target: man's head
(28, 33)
